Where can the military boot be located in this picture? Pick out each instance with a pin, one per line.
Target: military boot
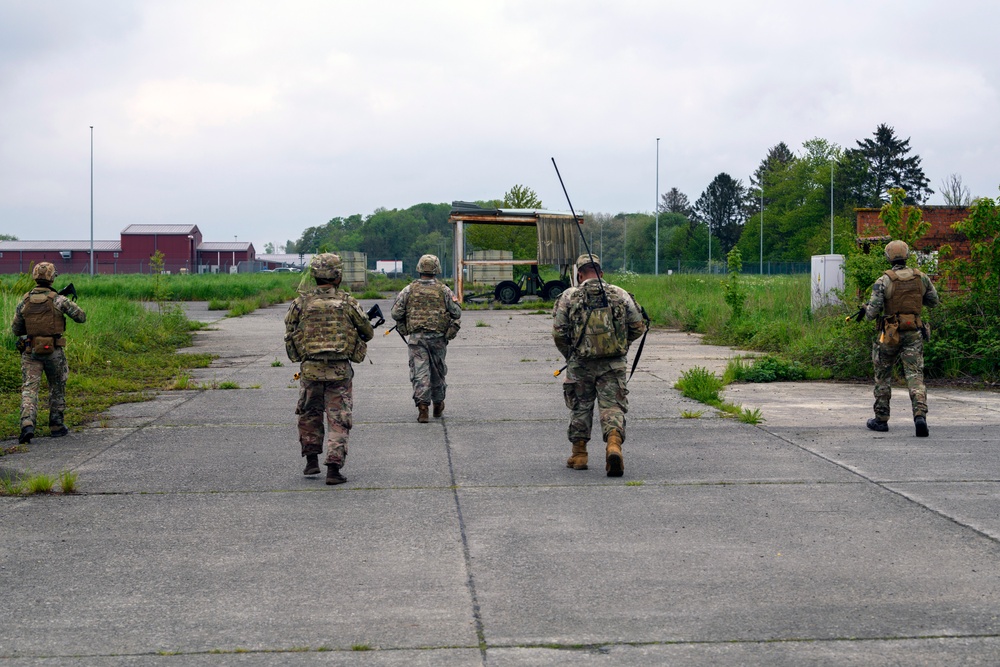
(578, 461)
(27, 433)
(422, 413)
(439, 409)
(312, 464)
(876, 424)
(58, 431)
(333, 475)
(921, 424)
(614, 463)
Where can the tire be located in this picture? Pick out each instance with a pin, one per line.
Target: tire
(507, 292)
(552, 290)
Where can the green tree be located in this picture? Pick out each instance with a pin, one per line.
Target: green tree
(7, 237)
(980, 272)
(675, 201)
(722, 206)
(522, 241)
(881, 163)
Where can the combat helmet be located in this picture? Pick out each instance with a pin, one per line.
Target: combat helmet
(429, 264)
(585, 259)
(326, 266)
(44, 272)
(896, 252)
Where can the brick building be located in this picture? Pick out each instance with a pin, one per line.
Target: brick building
(182, 246)
(870, 229)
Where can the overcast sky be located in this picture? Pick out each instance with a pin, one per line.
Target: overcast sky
(256, 120)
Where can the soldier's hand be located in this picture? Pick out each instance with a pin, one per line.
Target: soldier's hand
(860, 315)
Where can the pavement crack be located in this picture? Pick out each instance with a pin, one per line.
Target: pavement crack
(470, 578)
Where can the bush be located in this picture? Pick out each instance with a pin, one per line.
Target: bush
(769, 369)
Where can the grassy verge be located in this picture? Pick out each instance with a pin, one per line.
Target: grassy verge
(121, 354)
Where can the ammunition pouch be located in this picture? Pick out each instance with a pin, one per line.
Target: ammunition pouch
(890, 332)
(359, 351)
(43, 345)
(908, 322)
(293, 346)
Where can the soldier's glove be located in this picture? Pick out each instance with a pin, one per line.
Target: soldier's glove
(860, 315)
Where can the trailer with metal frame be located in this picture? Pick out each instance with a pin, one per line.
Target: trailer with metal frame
(558, 244)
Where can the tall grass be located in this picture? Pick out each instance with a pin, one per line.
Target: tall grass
(142, 287)
(122, 351)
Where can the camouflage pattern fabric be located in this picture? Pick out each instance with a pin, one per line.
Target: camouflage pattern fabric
(910, 352)
(334, 400)
(424, 309)
(601, 381)
(53, 366)
(325, 384)
(427, 367)
(56, 371)
(425, 305)
(594, 380)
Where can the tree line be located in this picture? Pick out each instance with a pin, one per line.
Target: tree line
(785, 213)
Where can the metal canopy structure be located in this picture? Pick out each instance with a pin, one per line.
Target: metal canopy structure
(558, 237)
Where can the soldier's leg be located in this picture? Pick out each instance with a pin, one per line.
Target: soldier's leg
(438, 350)
(612, 401)
(420, 373)
(912, 355)
(339, 420)
(883, 359)
(57, 372)
(580, 394)
(31, 376)
(310, 410)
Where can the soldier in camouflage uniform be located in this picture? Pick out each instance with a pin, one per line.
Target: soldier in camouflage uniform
(428, 312)
(899, 295)
(325, 330)
(594, 337)
(39, 323)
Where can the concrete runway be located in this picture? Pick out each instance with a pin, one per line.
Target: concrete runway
(804, 540)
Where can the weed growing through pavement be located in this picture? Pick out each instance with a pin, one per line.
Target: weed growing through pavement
(40, 483)
(361, 647)
(635, 482)
(748, 416)
(228, 384)
(481, 323)
(692, 414)
(276, 363)
(10, 485)
(67, 481)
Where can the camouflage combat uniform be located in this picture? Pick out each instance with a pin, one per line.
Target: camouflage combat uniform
(885, 299)
(427, 311)
(590, 379)
(331, 330)
(42, 312)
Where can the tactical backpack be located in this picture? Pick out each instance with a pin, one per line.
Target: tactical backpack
(599, 329)
(904, 299)
(43, 323)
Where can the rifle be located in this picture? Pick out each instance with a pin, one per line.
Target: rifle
(375, 316)
(396, 329)
(858, 316)
(69, 291)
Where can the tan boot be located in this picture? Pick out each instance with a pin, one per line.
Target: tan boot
(439, 409)
(422, 413)
(614, 463)
(579, 459)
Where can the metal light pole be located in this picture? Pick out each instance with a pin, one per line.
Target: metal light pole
(91, 200)
(656, 264)
(831, 206)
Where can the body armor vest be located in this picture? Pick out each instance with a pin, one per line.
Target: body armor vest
(40, 315)
(599, 331)
(426, 309)
(905, 293)
(326, 326)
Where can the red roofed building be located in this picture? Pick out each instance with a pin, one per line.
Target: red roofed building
(181, 245)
